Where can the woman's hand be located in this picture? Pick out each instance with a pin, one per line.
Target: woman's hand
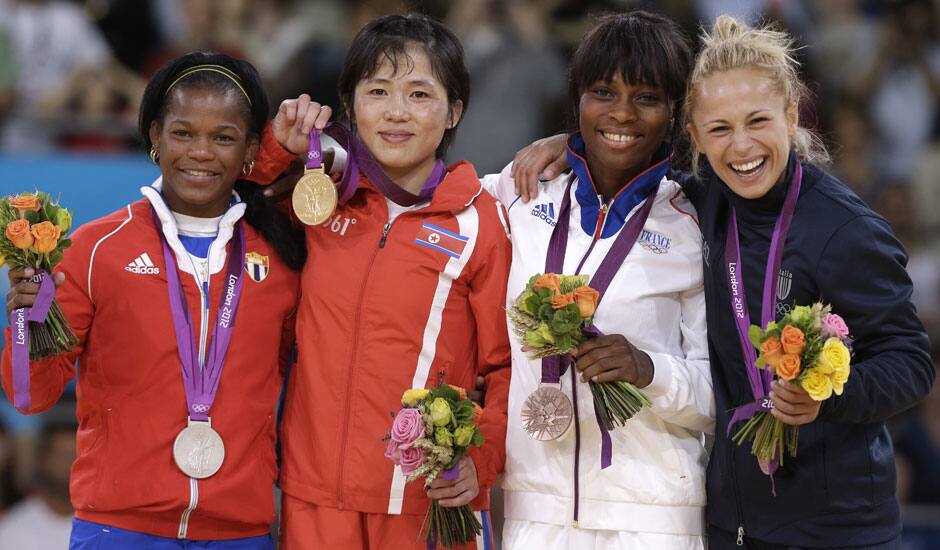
(22, 291)
(295, 119)
(543, 159)
(612, 357)
(457, 492)
(792, 405)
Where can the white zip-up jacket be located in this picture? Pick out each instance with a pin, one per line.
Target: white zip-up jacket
(656, 482)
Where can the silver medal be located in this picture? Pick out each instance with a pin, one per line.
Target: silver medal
(198, 450)
(546, 413)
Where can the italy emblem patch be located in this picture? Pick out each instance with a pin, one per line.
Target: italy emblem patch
(256, 266)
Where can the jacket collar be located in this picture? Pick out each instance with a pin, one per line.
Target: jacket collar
(629, 196)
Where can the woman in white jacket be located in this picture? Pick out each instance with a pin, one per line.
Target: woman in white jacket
(644, 486)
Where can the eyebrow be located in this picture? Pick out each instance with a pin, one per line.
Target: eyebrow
(417, 82)
(749, 115)
(217, 128)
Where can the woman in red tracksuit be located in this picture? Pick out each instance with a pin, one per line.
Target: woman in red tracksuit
(405, 285)
(133, 483)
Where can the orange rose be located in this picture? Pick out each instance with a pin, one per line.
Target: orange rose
(47, 237)
(23, 203)
(586, 298)
(789, 367)
(18, 233)
(461, 391)
(792, 340)
(477, 412)
(549, 281)
(772, 351)
(561, 300)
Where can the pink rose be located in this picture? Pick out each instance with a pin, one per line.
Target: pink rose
(407, 428)
(411, 459)
(392, 453)
(834, 326)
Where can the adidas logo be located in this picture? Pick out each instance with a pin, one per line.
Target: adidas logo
(142, 266)
(545, 212)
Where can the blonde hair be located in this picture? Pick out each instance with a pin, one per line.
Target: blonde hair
(733, 44)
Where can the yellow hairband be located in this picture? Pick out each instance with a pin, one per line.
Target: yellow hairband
(212, 68)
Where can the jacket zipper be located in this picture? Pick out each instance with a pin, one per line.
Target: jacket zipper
(352, 362)
(601, 221)
(203, 286)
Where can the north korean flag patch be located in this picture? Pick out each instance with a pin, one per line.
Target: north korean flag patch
(256, 266)
(442, 240)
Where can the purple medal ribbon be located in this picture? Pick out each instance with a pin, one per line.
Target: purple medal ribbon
(359, 159)
(554, 366)
(19, 322)
(201, 384)
(759, 379)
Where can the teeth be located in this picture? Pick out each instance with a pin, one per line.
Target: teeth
(620, 138)
(748, 166)
(199, 173)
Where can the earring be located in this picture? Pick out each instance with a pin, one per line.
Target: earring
(154, 155)
(251, 166)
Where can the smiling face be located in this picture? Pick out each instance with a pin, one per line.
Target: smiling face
(622, 125)
(203, 144)
(401, 117)
(743, 125)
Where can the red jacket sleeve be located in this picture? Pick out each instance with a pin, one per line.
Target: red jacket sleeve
(48, 377)
(487, 300)
(272, 160)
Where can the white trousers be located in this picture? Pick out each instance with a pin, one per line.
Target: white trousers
(530, 535)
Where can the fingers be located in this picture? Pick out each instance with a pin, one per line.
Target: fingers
(792, 405)
(323, 117)
(282, 186)
(457, 492)
(478, 393)
(22, 290)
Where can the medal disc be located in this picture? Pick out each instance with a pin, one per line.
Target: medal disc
(314, 197)
(546, 413)
(198, 450)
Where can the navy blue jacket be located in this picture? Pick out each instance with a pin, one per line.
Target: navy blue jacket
(840, 489)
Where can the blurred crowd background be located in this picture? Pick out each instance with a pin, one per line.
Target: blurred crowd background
(72, 74)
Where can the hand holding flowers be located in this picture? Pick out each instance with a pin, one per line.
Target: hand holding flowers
(808, 350)
(429, 438)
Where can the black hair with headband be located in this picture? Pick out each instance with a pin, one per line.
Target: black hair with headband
(225, 74)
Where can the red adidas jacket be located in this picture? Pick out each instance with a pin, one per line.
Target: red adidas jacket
(131, 402)
(384, 309)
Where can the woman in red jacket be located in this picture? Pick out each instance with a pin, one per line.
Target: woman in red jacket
(184, 306)
(405, 286)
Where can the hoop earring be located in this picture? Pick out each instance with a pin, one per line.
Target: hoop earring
(251, 167)
(154, 155)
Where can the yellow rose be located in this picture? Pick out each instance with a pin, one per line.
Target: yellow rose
(540, 337)
(441, 414)
(18, 234)
(463, 435)
(412, 396)
(63, 219)
(817, 384)
(834, 357)
(801, 314)
(586, 298)
(47, 237)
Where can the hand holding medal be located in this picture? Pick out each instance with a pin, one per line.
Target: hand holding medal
(315, 197)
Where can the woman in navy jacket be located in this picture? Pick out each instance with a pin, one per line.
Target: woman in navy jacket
(742, 115)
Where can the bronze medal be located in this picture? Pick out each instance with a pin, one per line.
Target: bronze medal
(314, 197)
(547, 413)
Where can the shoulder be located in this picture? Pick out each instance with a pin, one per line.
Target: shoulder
(125, 219)
(674, 206)
(828, 195)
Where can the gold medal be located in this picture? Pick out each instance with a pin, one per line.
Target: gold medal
(198, 450)
(314, 197)
(547, 413)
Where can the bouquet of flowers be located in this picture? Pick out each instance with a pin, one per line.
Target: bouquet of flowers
(32, 234)
(809, 346)
(553, 316)
(430, 434)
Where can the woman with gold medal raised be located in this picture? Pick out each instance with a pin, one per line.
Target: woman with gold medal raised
(184, 306)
